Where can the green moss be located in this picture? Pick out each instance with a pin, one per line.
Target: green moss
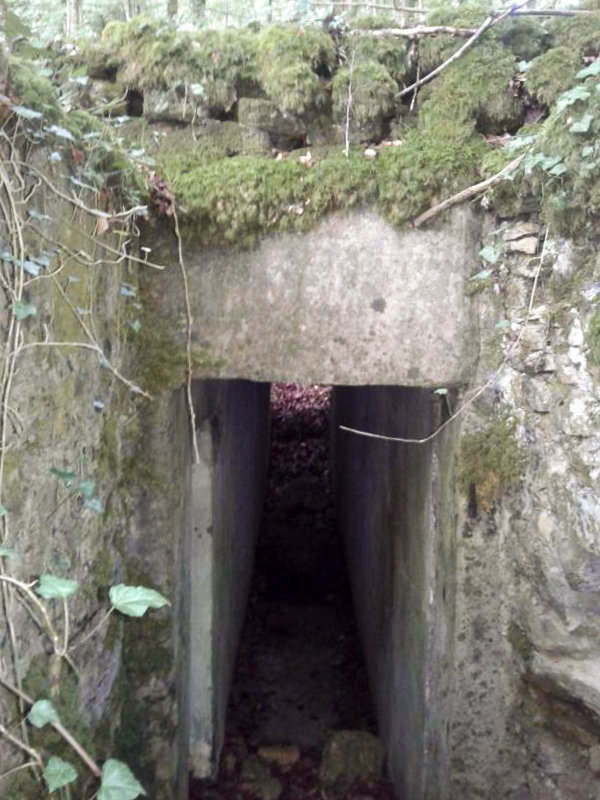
(475, 90)
(210, 67)
(32, 90)
(427, 168)
(552, 73)
(491, 461)
(525, 37)
(520, 642)
(293, 63)
(63, 691)
(581, 33)
(389, 51)
(147, 658)
(373, 96)
(593, 337)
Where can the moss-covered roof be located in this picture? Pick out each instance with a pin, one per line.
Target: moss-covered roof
(219, 105)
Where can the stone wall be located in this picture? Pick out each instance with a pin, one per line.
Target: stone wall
(496, 631)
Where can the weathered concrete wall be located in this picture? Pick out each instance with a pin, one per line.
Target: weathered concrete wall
(226, 495)
(397, 519)
(337, 305)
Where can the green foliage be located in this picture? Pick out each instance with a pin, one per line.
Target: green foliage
(33, 90)
(491, 460)
(42, 713)
(134, 601)
(427, 168)
(373, 96)
(59, 773)
(581, 34)
(476, 91)
(551, 73)
(118, 782)
(50, 587)
(593, 337)
(293, 64)
(389, 51)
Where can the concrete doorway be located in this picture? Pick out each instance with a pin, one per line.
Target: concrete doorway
(395, 505)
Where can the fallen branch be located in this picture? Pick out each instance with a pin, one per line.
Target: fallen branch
(467, 194)
(405, 9)
(420, 30)
(493, 19)
(554, 12)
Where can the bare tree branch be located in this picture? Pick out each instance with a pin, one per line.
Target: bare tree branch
(468, 193)
(493, 19)
(405, 9)
(421, 30)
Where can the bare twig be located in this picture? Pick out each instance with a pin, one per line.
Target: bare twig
(487, 385)
(21, 745)
(76, 202)
(28, 765)
(493, 19)
(468, 193)
(94, 630)
(188, 346)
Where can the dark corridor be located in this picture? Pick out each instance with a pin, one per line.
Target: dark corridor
(300, 674)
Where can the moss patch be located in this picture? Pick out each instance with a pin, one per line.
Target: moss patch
(552, 73)
(491, 461)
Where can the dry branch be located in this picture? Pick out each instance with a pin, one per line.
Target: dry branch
(493, 19)
(404, 9)
(420, 30)
(467, 194)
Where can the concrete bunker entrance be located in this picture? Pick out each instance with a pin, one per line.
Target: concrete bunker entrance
(394, 511)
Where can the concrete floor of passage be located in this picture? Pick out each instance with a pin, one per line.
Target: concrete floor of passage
(300, 673)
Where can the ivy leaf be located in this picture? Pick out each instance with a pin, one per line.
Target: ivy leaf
(50, 587)
(63, 133)
(593, 69)
(66, 476)
(24, 310)
(582, 125)
(440, 391)
(98, 405)
(127, 290)
(87, 488)
(482, 275)
(6, 552)
(26, 113)
(35, 214)
(42, 713)
(570, 97)
(587, 150)
(491, 253)
(135, 325)
(559, 169)
(43, 260)
(118, 782)
(503, 323)
(59, 773)
(3, 510)
(31, 267)
(93, 504)
(55, 157)
(134, 601)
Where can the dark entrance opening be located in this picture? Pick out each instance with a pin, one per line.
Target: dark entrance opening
(300, 674)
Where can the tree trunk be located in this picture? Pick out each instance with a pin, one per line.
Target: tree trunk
(73, 17)
(197, 9)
